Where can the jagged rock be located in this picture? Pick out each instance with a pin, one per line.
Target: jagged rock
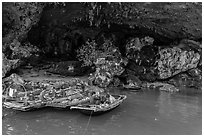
(142, 51)
(113, 66)
(108, 65)
(147, 41)
(173, 61)
(87, 53)
(168, 88)
(195, 73)
(19, 17)
(185, 80)
(101, 79)
(136, 45)
(106, 58)
(150, 64)
(132, 46)
(22, 52)
(116, 82)
(142, 55)
(8, 65)
(134, 80)
(143, 73)
(190, 45)
(91, 51)
(149, 75)
(105, 71)
(162, 86)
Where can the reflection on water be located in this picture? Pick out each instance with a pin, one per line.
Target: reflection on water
(145, 112)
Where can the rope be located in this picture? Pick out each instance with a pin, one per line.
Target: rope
(88, 123)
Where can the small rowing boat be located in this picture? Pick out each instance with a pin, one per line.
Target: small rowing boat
(131, 87)
(102, 108)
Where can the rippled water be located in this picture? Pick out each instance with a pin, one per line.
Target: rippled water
(145, 112)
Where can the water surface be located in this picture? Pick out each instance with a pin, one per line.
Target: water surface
(146, 112)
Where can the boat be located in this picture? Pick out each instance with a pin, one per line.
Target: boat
(131, 87)
(27, 99)
(21, 106)
(90, 109)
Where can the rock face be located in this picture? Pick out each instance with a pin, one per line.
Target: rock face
(87, 53)
(91, 51)
(142, 51)
(142, 55)
(162, 86)
(165, 21)
(173, 61)
(8, 65)
(150, 63)
(107, 60)
(146, 24)
(186, 80)
(19, 55)
(135, 45)
(22, 52)
(168, 21)
(106, 69)
(18, 18)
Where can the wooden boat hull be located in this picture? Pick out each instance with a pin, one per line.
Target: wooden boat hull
(95, 113)
(87, 110)
(18, 106)
(132, 87)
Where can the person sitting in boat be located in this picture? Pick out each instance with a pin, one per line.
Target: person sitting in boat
(109, 98)
(94, 98)
(102, 98)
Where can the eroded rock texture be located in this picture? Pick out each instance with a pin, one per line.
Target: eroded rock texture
(142, 55)
(106, 69)
(18, 18)
(22, 51)
(107, 60)
(173, 61)
(8, 65)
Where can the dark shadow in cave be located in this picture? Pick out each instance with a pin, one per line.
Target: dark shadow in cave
(59, 42)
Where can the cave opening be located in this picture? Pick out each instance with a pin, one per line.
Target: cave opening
(58, 37)
(59, 41)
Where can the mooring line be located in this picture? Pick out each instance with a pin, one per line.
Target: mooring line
(88, 123)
